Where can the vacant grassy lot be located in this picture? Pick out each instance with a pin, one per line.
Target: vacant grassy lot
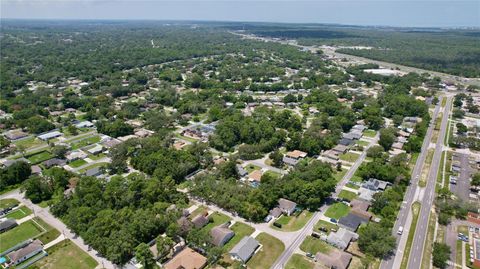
(50, 234)
(22, 212)
(363, 143)
(40, 157)
(266, 256)
(83, 170)
(19, 234)
(298, 261)
(4, 203)
(338, 175)
(293, 223)
(30, 142)
(66, 255)
(273, 174)
(353, 186)
(85, 142)
(241, 230)
(369, 133)
(349, 157)
(337, 211)
(314, 245)
(77, 163)
(344, 194)
(97, 157)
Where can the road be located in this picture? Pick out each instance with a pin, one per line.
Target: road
(415, 260)
(46, 216)
(288, 252)
(351, 172)
(404, 216)
(308, 228)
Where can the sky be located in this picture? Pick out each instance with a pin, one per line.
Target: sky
(404, 13)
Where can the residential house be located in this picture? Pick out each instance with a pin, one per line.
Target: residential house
(15, 134)
(97, 149)
(26, 252)
(288, 207)
(186, 259)
(36, 169)
(375, 184)
(200, 221)
(331, 156)
(49, 135)
(335, 259)
(93, 172)
(255, 176)
(8, 163)
(110, 143)
(365, 194)
(75, 155)
(293, 157)
(221, 235)
(350, 222)
(84, 124)
(341, 238)
(346, 141)
(7, 225)
(54, 162)
(397, 145)
(340, 148)
(275, 212)
(360, 205)
(245, 249)
(241, 171)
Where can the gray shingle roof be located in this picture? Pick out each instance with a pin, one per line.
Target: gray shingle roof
(245, 248)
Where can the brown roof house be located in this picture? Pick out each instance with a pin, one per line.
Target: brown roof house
(335, 259)
(293, 157)
(221, 235)
(200, 221)
(186, 259)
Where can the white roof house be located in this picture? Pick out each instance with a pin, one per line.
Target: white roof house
(49, 135)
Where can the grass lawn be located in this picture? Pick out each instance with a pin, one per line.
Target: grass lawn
(349, 157)
(50, 233)
(241, 230)
(337, 211)
(298, 261)
(369, 133)
(19, 234)
(415, 210)
(20, 213)
(186, 138)
(347, 195)
(4, 203)
(216, 219)
(77, 163)
(30, 142)
(363, 143)
(338, 175)
(83, 170)
(293, 223)
(314, 245)
(250, 168)
(270, 251)
(85, 142)
(273, 174)
(66, 255)
(40, 157)
(325, 224)
(97, 157)
(458, 254)
(352, 186)
(199, 210)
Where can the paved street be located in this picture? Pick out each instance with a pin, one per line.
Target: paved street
(404, 216)
(46, 216)
(415, 260)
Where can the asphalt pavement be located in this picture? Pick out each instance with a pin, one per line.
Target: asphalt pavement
(416, 252)
(404, 215)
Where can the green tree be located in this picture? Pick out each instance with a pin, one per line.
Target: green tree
(461, 128)
(144, 256)
(387, 137)
(277, 158)
(476, 180)
(164, 245)
(441, 253)
(376, 240)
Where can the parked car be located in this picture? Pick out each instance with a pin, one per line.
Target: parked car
(333, 220)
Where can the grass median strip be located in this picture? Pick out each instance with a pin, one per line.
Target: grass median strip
(415, 212)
